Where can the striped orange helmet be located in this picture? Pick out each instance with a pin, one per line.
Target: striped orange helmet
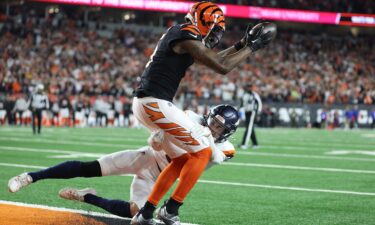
(209, 18)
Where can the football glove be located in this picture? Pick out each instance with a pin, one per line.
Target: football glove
(260, 35)
(217, 156)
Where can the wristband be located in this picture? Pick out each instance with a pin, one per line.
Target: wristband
(238, 45)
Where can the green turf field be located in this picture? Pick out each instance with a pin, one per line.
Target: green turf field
(299, 176)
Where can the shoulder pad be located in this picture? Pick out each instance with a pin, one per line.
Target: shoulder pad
(190, 31)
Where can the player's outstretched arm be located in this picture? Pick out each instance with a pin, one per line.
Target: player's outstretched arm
(256, 37)
(211, 59)
(223, 62)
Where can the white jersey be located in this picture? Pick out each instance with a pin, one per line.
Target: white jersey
(162, 159)
(146, 164)
(39, 101)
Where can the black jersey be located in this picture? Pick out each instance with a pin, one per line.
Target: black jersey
(164, 71)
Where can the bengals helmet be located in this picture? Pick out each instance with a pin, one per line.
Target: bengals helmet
(209, 19)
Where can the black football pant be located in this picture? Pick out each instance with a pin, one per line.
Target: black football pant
(253, 136)
(37, 114)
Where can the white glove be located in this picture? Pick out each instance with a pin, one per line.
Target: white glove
(217, 156)
(156, 139)
(198, 131)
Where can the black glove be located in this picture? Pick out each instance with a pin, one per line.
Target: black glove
(260, 35)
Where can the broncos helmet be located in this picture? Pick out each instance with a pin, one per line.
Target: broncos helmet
(224, 117)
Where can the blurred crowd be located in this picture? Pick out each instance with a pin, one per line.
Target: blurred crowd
(80, 64)
(320, 5)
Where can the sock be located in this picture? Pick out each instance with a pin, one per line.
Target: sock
(191, 172)
(148, 210)
(172, 206)
(68, 169)
(167, 178)
(116, 207)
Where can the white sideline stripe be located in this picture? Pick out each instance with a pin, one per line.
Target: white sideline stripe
(299, 167)
(242, 184)
(288, 188)
(61, 209)
(87, 154)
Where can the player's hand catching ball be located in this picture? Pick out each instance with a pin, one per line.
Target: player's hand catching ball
(260, 35)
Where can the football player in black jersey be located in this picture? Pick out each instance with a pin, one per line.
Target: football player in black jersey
(179, 48)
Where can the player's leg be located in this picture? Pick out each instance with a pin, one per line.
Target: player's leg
(140, 162)
(160, 114)
(65, 170)
(39, 114)
(247, 122)
(33, 120)
(89, 196)
(113, 164)
(254, 138)
(140, 189)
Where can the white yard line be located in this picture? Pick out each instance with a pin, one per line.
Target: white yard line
(76, 154)
(303, 156)
(60, 209)
(130, 137)
(72, 137)
(274, 166)
(288, 188)
(242, 184)
(62, 142)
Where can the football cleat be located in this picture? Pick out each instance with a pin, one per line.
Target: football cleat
(18, 182)
(75, 194)
(138, 219)
(168, 218)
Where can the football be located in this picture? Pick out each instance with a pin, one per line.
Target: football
(267, 29)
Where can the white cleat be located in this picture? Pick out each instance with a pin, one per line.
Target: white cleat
(75, 194)
(168, 218)
(18, 182)
(139, 220)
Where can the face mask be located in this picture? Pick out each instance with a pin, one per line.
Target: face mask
(213, 37)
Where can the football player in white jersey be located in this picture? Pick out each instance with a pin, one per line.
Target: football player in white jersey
(146, 163)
